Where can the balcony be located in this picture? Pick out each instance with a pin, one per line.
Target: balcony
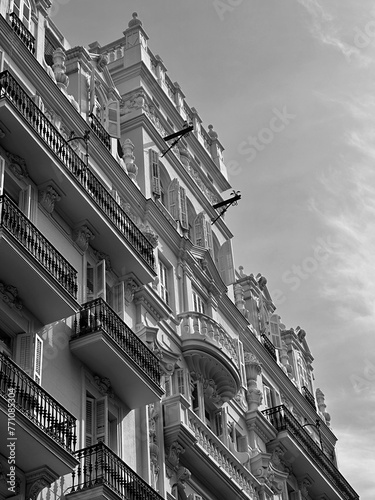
(308, 457)
(45, 281)
(22, 32)
(309, 397)
(50, 157)
(41, 424)
(102, 475)
(104, 343)
(269, 347)
(100, 131)
(208, 349)
(205, 454)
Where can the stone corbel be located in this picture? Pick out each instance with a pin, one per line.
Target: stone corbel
(253, 368)
(304, 485)
(17, 166)
(130, 288)
(48, 195)
(37, 480)
(82, 235)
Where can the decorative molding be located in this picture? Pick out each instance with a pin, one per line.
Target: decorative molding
(9, 295)
(82, 235)
(37, 480)
(104, 386)
(17, 165)
(48, 196)
(130, 286)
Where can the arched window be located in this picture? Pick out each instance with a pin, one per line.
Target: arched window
(22, 9)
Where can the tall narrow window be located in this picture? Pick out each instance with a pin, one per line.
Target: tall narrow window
(275, 330)
(198, 303)
(155, 173)
(96, 281)
(101, 423)
(163, 282)
(22, 9)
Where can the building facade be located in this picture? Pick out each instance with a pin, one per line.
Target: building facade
(135, 362)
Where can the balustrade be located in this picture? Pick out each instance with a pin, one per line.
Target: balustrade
(22, 32)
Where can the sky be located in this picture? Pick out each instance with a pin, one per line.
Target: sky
(289, 86)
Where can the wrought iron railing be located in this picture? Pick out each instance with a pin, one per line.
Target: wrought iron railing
(22, 32)
(98, 315)
(282, 419)
(270, 348)
(100, 131)
(309, 397)
(36, 404)
(19, 226)
(99, 465)
(14, 93)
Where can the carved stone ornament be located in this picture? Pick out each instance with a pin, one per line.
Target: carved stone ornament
(103, 256)
(17, 166)
(150, 234)
(173, 454)
(9, 295)
(104, 386)
(304, 485)
(253, 366)
(37, 480)
(130, 288)
(82, 236)
(48, 196)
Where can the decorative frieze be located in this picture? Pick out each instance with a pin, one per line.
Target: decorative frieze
(9, 295)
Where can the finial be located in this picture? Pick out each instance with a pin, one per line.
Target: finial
(135, 21)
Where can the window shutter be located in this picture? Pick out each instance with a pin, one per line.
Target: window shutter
(24, 347)
(90, 402)
(183, 209)
(209, 237)
(267, 396)
(38, 359)
(100, 282)
(2, 173)
(275, 331)
(155, 172)
(225, 263)
(174, 199)
(119, 299)
(241, 360)
(203, 232)
(101, 413)
(114, 119)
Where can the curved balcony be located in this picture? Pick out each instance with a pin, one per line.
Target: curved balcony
(38, 423)
(50, 157)
(307, 457)
(104, 343)
(44, 279)
(209, 350)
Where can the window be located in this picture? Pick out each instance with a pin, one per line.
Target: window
(177, 203)
(270, 396)
(275, 331)
(163, 282)
(101, 423)
(22, 9)
(155, 174)
(199, 305)
(203, 232)
(29, 355)
(96, 281)
(304, 378)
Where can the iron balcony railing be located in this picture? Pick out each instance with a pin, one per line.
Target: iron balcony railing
(270, 348)
(16, 95)
(22, 32)
(99, 465)
(100, 131)
(309, 397)
(36, 404)
(32, 240)
(281, 418)
(98, 315)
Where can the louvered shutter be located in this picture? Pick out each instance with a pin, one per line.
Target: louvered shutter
(101, 414)
(24, 347)
(38, 359)
(275, 331)
(114, 119)
(209, 244)
(2, 173)
(90, 407)
(100, 281)
(118, 300)
(155, 173)
(225, 263)
(241, 360)
(174, 199)
(200, 230)
(183, 209)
